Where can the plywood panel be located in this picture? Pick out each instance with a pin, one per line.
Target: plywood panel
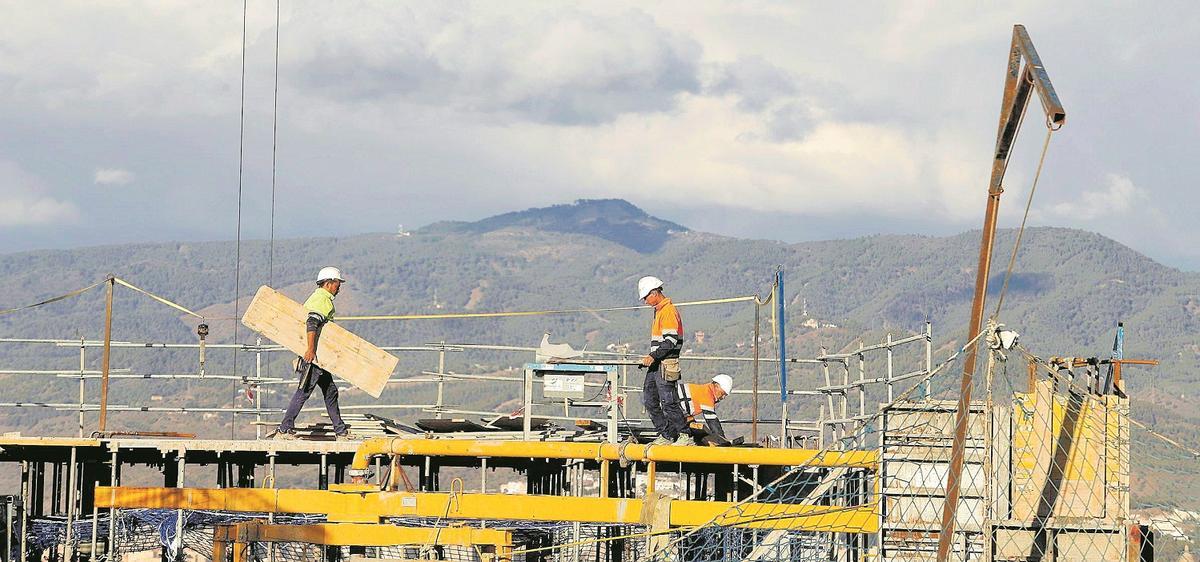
(339, 351)
(1032, 449)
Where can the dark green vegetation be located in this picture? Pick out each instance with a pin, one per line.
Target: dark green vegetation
(1069, 290)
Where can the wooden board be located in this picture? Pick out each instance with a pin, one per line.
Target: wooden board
(340, 352)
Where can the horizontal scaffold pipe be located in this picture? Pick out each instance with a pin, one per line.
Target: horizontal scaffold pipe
(612, 452)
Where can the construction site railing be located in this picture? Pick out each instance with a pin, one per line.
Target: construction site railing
(835, 418)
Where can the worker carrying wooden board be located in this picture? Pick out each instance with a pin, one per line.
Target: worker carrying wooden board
(324, 348)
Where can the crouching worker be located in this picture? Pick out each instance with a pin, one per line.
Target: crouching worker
(699, 401)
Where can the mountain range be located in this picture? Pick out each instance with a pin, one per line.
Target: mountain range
(1068, 291)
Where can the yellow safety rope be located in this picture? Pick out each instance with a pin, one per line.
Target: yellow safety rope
(54, 299)
(178, 307)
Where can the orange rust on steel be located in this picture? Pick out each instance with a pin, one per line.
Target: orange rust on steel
(1018, 85)
(104, 361)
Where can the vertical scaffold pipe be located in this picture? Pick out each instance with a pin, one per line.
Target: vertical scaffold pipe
(783, 387)
(754, 397)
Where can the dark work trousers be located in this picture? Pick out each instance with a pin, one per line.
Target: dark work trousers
(318, 377)
(661, 399)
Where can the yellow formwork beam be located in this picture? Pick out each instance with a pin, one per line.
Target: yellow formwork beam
(612, 452)
(796, 517)
(370, 507)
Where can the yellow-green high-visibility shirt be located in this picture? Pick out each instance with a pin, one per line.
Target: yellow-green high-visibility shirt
(321, 304)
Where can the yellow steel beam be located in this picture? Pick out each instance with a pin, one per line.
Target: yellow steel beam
(370, 507)
(612, 452)
(796, 517)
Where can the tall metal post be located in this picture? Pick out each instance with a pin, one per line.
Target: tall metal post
(442, 378)
(527, 405)
(72, 491)
(889, 369)
(1018, 85)
(779, 304)
(610, 376)
(105, 359)
(862, 384)
(95, 523)
(26, 506)
(754, 397)
(258, 392)
(928, 358)
(115, 479)
(82, 369)
(9, 506)
(179, 514)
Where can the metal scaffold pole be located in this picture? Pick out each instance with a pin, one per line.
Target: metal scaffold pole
(105, 360)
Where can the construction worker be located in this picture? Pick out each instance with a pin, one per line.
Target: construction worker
(699, 401)
(660, 393)
(320, 311)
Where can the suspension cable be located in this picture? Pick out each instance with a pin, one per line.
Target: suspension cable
(1012, 260)
(237, 268)
(274, 139)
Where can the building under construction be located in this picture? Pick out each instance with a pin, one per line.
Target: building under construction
(1045, 476)
(873, 462)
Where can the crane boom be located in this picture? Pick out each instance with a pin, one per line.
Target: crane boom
(1019, 83)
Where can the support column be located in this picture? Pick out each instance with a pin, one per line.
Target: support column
(72, 492)
(113, 514)
(182, 475)
(26, 502)
(323, 473)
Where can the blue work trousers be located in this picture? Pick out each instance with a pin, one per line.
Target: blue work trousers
(661, 399)
(316, 377)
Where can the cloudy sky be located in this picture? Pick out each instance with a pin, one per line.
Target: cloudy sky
(119, 121)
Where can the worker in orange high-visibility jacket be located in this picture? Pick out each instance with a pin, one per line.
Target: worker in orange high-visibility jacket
(660, 394)
(699, 403)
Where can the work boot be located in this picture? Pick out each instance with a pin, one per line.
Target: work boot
(660, 440)
(346, 436)
(683, 440)
(284, 435)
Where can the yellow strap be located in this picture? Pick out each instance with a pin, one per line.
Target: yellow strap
(532, 312)
(55, 299)
(156, 297)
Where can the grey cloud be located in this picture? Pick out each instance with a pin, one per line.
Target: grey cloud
(790, 121)
(568, 67)
(756, 82)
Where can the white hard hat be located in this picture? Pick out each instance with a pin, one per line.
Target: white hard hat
(725, 382)
(647, 284)
(329, 274)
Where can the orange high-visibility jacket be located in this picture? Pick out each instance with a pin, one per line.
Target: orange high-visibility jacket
(700, 408)
(698, 402)
(666, 332)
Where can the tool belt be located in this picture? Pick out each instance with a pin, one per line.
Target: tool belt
(670, 369)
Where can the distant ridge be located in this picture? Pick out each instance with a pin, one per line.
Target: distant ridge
(615, 220)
